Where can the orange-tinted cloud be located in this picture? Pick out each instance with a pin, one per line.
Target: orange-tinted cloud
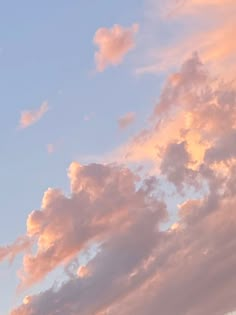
(83, 272)
(113, 44)
(189, 112)
(30, 117)
(212, 38)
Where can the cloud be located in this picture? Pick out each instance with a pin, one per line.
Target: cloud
(174, 165)
(212, 39)
(189, 110)
(139, 268)
(113, 44)
(103, 202)
(30, 117)
(83, 272)
(126, 120)
(22, 244)
(183, 7)
(51, 148)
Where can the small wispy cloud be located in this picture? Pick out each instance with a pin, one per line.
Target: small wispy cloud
(51, 148)
(126, 120)
(30, 117)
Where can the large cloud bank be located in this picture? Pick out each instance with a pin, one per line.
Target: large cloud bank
(141, 268)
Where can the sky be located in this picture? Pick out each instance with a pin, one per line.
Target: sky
(118, 157)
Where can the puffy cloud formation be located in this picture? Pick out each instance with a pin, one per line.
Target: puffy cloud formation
(188, 269)
(126, 120)
(104, 201)
(113, 44)
(30, 117)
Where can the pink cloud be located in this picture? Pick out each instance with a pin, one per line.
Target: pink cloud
(113, 44)
(22, 244)
(51, 148)
(83, 272)
(103, 201)
(188, 269)
(126, 120)
(30, 117)
(213, 39)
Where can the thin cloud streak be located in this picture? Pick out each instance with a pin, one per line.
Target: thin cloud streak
(31, 117)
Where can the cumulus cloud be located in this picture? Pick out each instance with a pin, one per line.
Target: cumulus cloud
(141, 269)
(103, 202)
(30, 117)
(113, 44)
(126, 120)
